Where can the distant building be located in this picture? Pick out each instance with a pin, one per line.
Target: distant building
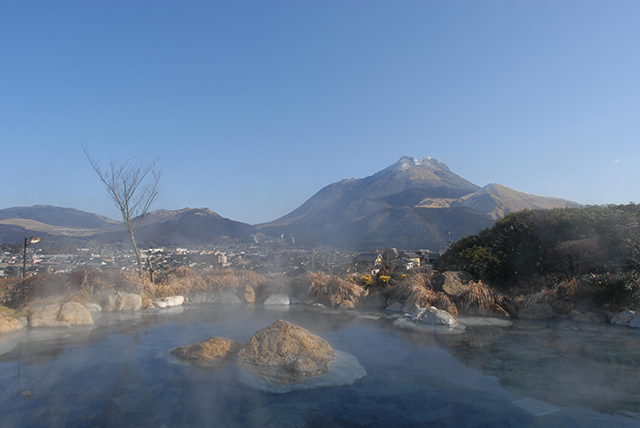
(367, 261)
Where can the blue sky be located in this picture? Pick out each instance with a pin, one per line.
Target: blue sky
(254, 106)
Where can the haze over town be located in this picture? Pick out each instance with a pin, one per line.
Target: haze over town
(254, 107)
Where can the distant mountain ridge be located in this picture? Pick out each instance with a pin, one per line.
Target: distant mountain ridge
(496, 201)
(412, 204)
(187, 226)
(57, 216)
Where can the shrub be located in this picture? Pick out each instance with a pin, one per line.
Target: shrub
(417, 290)
(331, 290)
(477, 298)
(621, 290)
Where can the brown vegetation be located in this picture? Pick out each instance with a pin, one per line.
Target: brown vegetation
(478, 298)
(418, 291)
(331, 290)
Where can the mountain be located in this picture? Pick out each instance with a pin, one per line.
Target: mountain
(160, 228)
(50, 222)
(496, 201)
(414, 203)
(56, 217)
(187, 226)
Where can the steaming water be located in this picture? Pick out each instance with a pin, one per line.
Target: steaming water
(120, 374)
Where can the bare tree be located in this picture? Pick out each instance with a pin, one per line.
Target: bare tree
(132, 187)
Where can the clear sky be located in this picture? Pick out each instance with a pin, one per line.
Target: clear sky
(254, 106)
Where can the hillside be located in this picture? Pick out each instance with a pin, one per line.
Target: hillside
(63, 218)
(496, 201)
(187, 226)
(414, 203)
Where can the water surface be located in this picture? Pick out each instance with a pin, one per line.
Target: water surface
(120, 374)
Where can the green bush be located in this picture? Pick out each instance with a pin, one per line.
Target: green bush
(620, 290)
(562, 242)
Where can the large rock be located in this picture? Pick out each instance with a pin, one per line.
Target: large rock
(123, 302)
(453, 282)
(8, 323)
(635, 322)
(75, 314)
(221, 297)
(212, 353)
(285, 353)
(623, 318)
(278, 299)
(168, 302)
(248, 294)
(433, 315)
(347, 304)
(394, 306)
(539, 311)
(46, 316)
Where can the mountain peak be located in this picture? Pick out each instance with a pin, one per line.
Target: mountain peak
(427, 162)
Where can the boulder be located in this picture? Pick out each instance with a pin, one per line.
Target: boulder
(278, 299)
(623, 318)
(212, 353)
(584, 316)
(94, 307)
(635, 322)
(563, 307)
(75, 314)
(8, 323)
(80, 300)
(347, 304)
(173, 301)
(335, 299)
(285, 353)
(45, 316)
(123, 302)
(539, 311)
(452, 282)
(394, 306)
(226, 298)
(433, 315)
(248, 294)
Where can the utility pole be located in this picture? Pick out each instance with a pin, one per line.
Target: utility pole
(27, 241)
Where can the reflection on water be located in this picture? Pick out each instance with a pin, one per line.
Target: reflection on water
(120, 374)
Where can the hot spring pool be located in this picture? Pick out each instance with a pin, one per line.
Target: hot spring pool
(119, 373)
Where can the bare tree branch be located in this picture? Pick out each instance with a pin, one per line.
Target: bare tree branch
(132, 187)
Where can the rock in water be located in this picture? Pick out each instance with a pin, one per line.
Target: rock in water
(9, 324)
(123, 302)
(75, 314)
(278, 299)
(46, 316)
(433, 315)
(623, 318)
(285, 353)
(212, 353)
(173, 301)
(539, 311)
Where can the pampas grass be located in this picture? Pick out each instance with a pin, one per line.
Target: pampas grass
(331, 290)
(477, 298)
(417, 291)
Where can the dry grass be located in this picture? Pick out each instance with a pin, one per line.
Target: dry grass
(563, 291)
(442, 301)
(478, 298)
(413, 286)
(179, 281)
(417, 291)
(331, 290)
